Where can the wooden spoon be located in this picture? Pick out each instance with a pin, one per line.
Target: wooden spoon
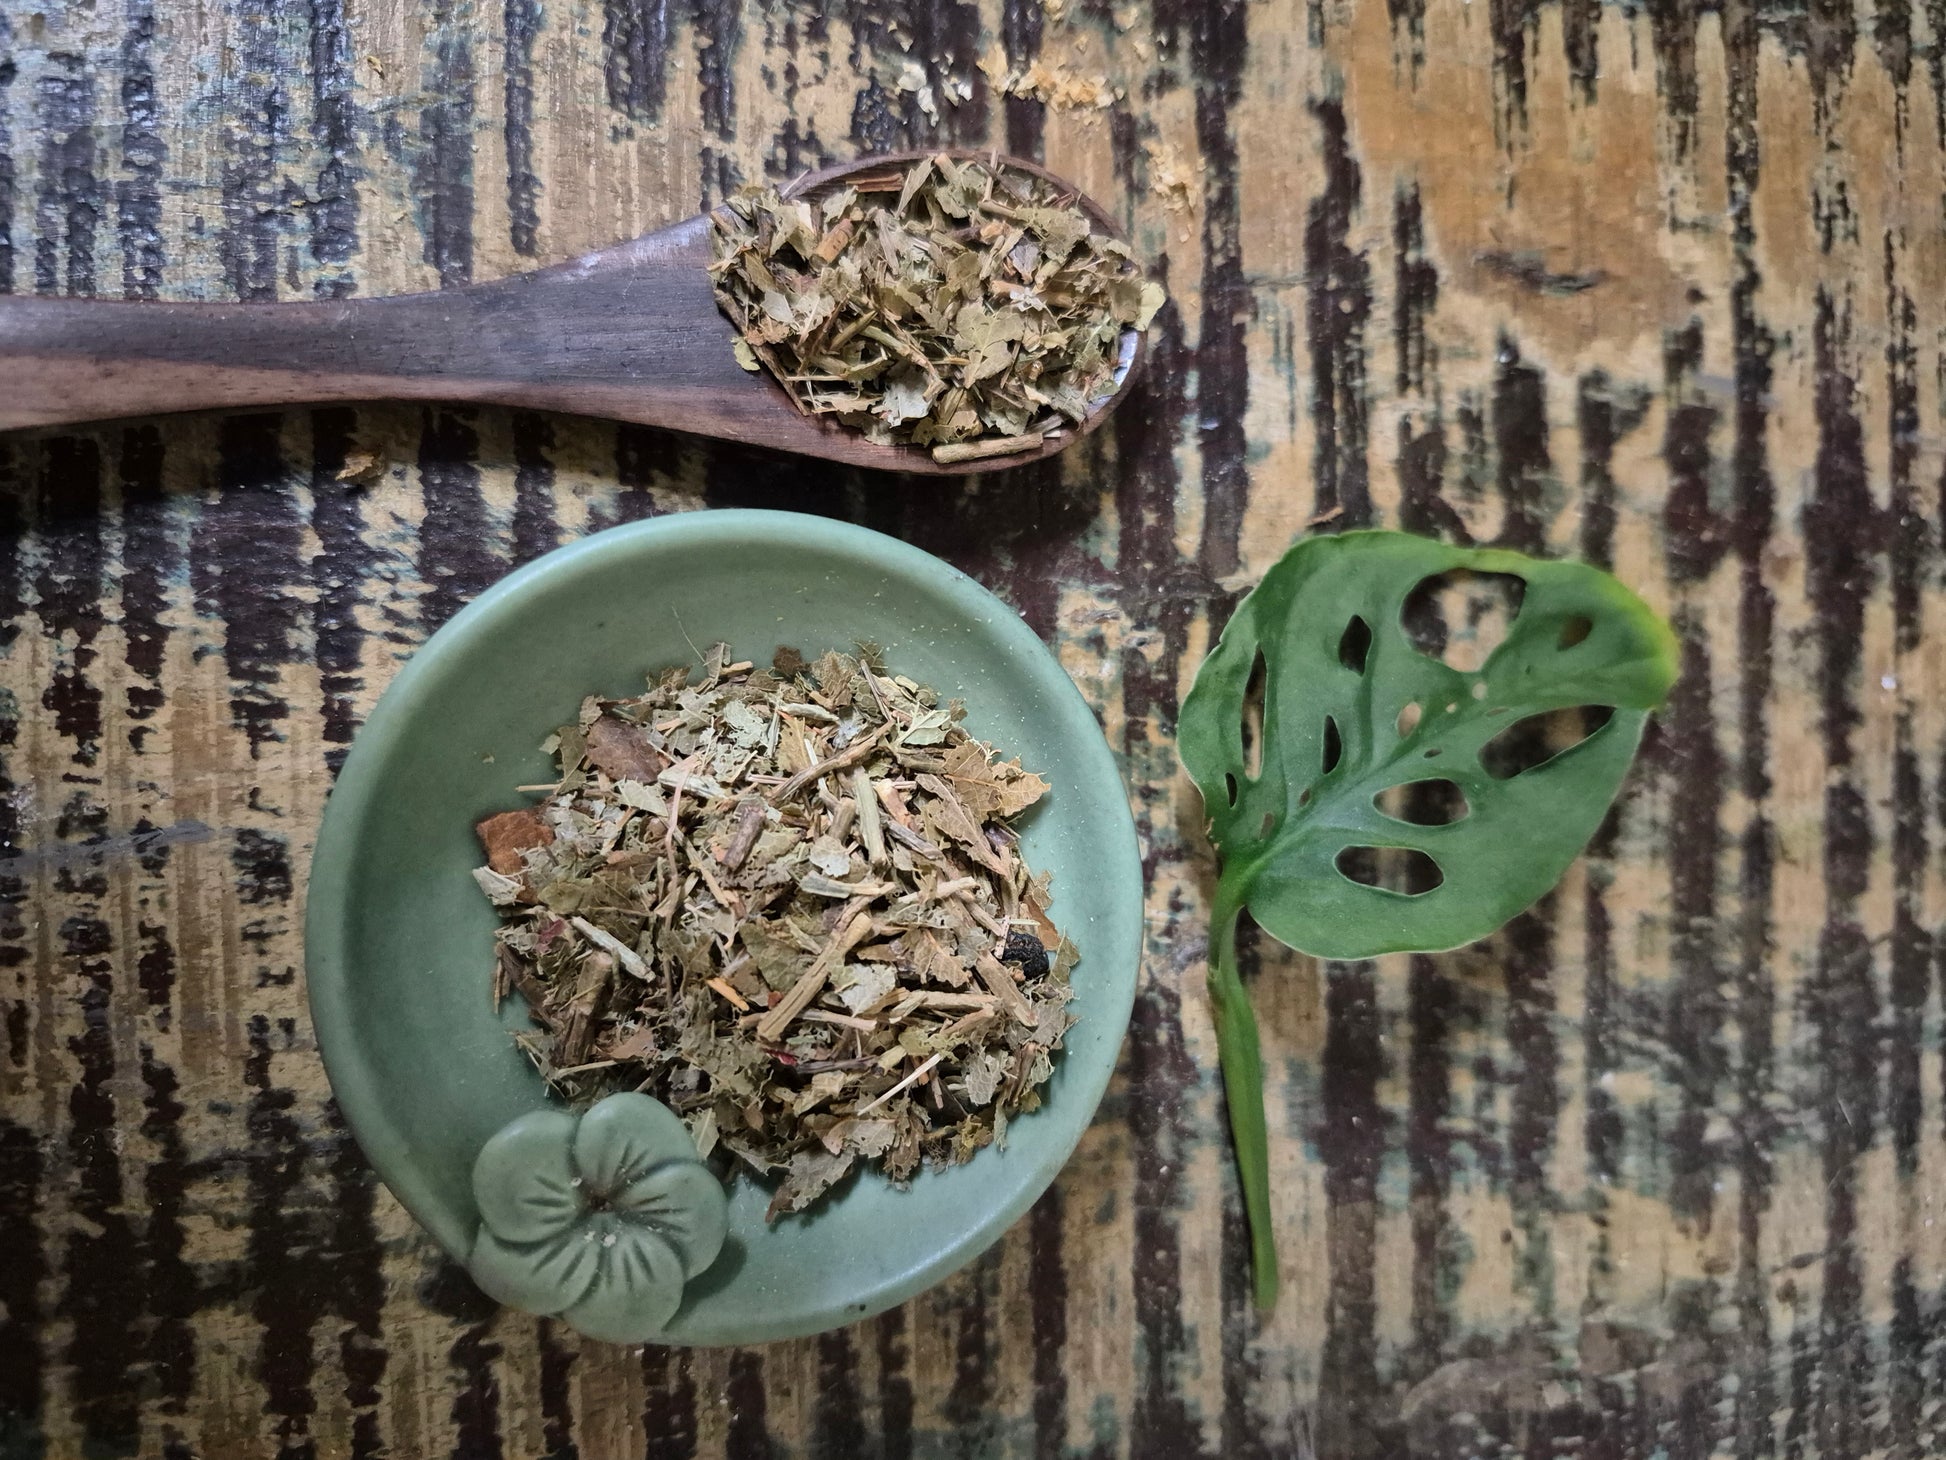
(631, 332)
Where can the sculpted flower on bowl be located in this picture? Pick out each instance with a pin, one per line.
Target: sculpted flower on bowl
(600, 1217)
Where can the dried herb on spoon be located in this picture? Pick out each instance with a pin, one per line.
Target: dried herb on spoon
(1315, 709)
(789, 903)
(965, 307)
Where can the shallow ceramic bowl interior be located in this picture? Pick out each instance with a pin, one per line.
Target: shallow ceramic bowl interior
(398, 937)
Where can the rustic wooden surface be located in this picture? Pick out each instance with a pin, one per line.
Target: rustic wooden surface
(1654, 1173)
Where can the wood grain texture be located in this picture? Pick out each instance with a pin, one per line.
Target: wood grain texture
(1655, 1172)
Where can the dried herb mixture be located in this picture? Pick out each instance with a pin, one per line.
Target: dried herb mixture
(965, 307)
(789, 904)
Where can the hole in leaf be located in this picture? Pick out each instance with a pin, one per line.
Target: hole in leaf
(1304, 797)
(1253, 717)
(1423, 803)
(1575, 630)
(1479, 689)
(1537, 739)
(1230, 785)
(1460, 618)
(1404, 870)
(1433, 754)
(1355, 645)
(1409, 718)
(1334, 748)
(1270, 820)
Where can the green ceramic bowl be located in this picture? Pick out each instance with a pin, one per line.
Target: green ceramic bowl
(398, 937)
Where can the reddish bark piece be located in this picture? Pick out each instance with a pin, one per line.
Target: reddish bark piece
(509, 834)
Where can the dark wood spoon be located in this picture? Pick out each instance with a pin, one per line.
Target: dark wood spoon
(630, 332)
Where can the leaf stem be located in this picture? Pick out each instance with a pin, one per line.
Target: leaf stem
(1243, 1080)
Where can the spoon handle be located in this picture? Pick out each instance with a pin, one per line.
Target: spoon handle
(630, 331)
(66, 360)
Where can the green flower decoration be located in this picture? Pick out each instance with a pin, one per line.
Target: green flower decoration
(600, 1217)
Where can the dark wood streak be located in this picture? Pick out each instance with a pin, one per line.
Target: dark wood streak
(151, 557)
(1421, 459)
(69, 204)
(557, 1363)
(1513, 23)
(1604, 414)
(1754, 498)
(669, 1403)
(333, 213)
(1672, 28)
(445, 165)
(279, 1277)
(1048, 1276)
(717, 34)
(1840, 531)
(1529, 948)
(1338, 307)
(1154, 1057)
(635, 39)
(138, 197)
(1430, 1008)
(102, 1249)
(642, 457)
(67, 590)
(1909, 537)
(253, 216)
(1695, 537)
(749, 1437)
(535, 530)
(893, 1350)
(340, 575)
(968, 1405)
(1021, 25)
(456, 558)
(476, 1401)
(1936, 1365)
(243, 563)
(1243, 1434)
(22, 1361)
(1581, 40)
(1217, 37)
(1351, 1137)
(521, 24)
(1520, 439)
(9, 70)
(1694, 1021)
(838, 1416)
(350, 1267)
(168, 1280)
(23, 1160)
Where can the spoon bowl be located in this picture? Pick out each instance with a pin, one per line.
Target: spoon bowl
(631, 332)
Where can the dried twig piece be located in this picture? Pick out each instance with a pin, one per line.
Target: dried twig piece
(811, 982)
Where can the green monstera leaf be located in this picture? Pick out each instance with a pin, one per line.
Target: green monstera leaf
(1354, 718)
